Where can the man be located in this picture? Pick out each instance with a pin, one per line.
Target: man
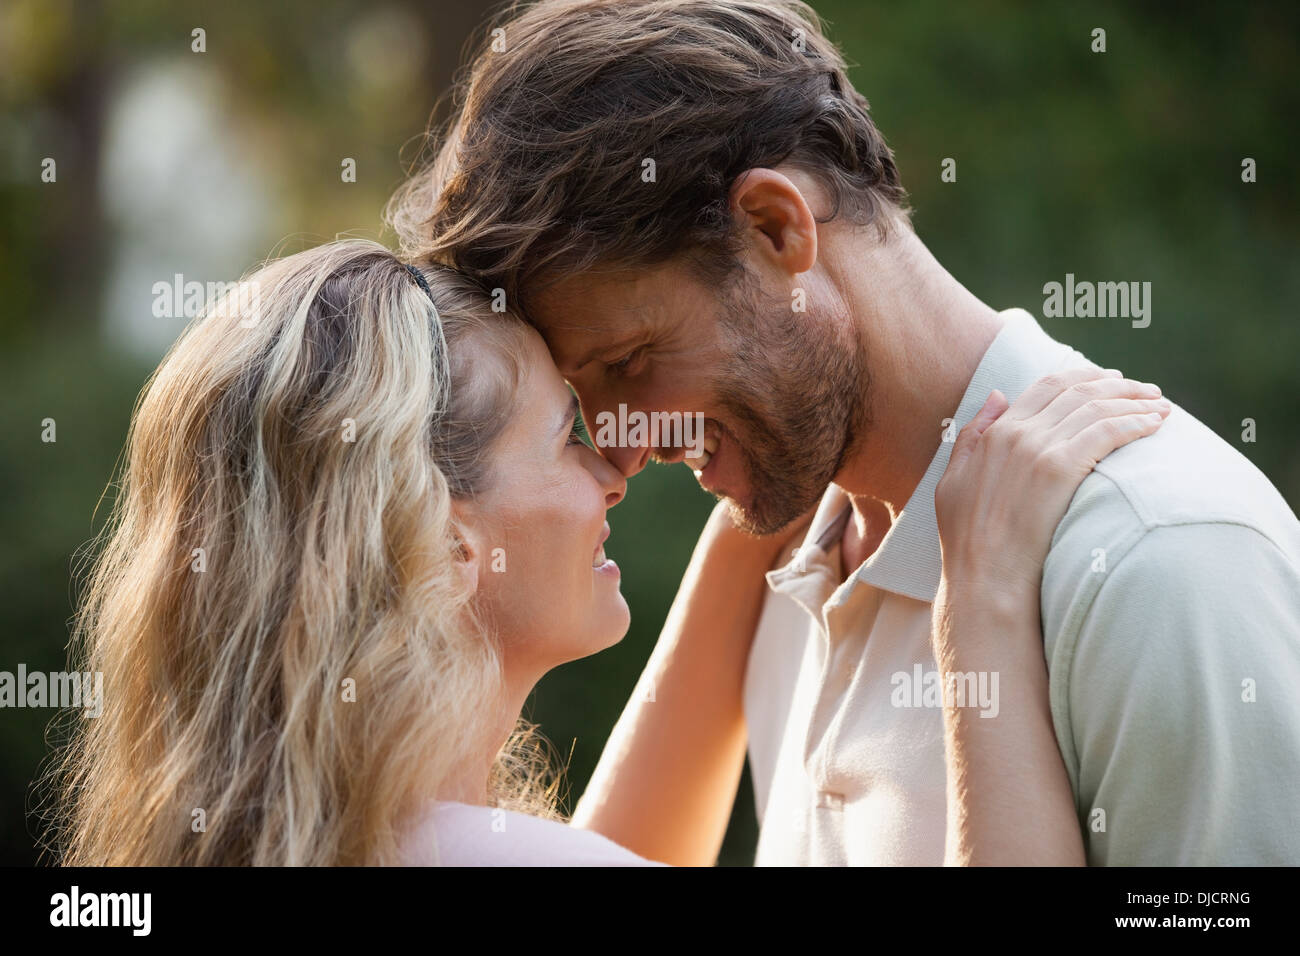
(692, 204)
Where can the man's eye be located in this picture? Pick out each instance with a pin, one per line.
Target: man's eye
(623, 365)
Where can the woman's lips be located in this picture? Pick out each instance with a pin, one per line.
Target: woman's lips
(598, 560)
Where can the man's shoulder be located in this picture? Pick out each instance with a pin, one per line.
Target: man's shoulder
(1184, 474)
(1183, 477)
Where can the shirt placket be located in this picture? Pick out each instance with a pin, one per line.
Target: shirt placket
(842, 616)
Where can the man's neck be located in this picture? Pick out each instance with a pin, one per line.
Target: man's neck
(925, 335)
(863, 534)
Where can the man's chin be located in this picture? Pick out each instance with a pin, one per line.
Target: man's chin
(761, 501)
(774, 507)
(752, 518)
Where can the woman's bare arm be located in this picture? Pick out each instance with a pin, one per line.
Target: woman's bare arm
(1009, 799)
(1009, 482)
(667, 778)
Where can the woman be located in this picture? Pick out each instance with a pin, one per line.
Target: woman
(357, 526)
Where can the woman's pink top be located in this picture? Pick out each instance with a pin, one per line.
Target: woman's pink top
(468, 835)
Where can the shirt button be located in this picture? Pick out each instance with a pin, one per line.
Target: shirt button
(829, 800)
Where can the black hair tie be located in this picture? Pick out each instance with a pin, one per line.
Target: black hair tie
(419, 279)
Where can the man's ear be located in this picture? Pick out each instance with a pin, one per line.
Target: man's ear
(774, 212)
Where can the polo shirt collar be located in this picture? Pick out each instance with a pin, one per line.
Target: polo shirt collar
(908, 560)
(813, 574)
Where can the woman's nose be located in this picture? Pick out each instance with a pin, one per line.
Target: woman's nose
(610, 478)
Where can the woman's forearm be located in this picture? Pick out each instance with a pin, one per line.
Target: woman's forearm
(1010, 478)
(666, 781)
(1009, 799)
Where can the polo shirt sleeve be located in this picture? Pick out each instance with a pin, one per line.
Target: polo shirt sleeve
(1174, 681)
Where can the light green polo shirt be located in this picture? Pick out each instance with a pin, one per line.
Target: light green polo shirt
(1171, 623)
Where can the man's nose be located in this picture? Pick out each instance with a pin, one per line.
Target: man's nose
(628, 459)
(610, 432)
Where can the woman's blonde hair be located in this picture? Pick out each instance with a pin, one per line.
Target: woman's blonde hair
(290, 657)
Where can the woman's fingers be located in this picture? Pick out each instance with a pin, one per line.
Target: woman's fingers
(1103, 436)
(994, 406)
(1068, 404)
(1082, 394)
(1044, 391)
(1011, 478)
(1096, 409)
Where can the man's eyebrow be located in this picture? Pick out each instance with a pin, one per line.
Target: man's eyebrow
(570, 413)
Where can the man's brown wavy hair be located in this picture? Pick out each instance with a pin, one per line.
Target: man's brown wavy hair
(542, 172)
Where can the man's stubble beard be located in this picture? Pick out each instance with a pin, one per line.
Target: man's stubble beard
(798, 392)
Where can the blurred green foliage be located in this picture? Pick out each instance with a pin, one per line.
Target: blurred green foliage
(1123, 165)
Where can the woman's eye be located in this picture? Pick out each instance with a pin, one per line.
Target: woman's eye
(578, 433)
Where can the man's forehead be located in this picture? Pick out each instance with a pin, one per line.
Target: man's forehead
(580, 312)
(594, 303)
(573, 345)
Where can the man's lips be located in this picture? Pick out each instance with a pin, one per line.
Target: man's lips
(714, 468)
(698, 463)
(704, 466)
(672, 454)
